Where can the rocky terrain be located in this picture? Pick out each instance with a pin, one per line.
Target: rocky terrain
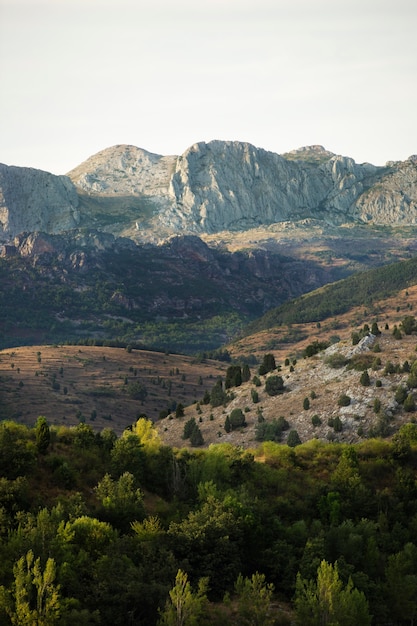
(33, 200)
(372, 410)
(213, 187)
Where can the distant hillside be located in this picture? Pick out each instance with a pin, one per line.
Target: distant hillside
(181, 296)
(361, 289)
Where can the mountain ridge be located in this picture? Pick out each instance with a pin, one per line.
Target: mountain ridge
(212, 187)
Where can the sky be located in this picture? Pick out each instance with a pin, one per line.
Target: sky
(78, 76)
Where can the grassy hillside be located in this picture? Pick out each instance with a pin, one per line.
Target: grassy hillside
(97, 385)
(362, 289)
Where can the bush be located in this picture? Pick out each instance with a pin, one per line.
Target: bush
(343, 400)
(315, 420)
(268, 364)
(315, 348)
(364, 379)
(274, 385)
(237, 419)
(306, 404)
(293, 439)
(336, 360)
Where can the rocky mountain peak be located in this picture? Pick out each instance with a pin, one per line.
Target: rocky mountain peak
(212, 187)
(123, 170)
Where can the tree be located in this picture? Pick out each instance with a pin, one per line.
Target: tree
(306, 404)
(189, 426)
(185, 607)
(327, 602)
(344, 400)
(196, 438)
(274, 385)
(254, 597)
(147, 433)
(43, 435)
(218, 396)
(179, 411)
(401, 585)
(364, 379)
(137, 391)
(122, 502)
(268, 364)
(408, 325)
(293, 439)
(233, 376)
(409, 404)
(237, 418)
(34, 598)
(245, 373)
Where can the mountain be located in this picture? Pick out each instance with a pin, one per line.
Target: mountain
(181, 295)
(213, 187)
(33, 200)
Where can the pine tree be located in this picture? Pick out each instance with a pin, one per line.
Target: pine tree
(43, 435)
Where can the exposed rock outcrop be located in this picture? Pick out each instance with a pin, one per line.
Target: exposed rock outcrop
(212, 187)
(32, 200)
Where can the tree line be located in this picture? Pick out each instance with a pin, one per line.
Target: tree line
(100, 529)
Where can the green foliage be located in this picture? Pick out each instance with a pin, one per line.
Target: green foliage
(306, 404)
(193, 433)
(121, 500)
(271, 431)
(254, 598)
(233, 376)
(327, 601)
(315, 348)
(274, 385)
(137, 391)
(400, 394)
(35, 598)
(293, 439)
(409, 325)
(268, 364)
(254, 396)
(340, 297)
(353, 506)
(196, 438)
(218, 396)
(237, 419)
(409, 403)
(189, 426)
(316, 421)
(185, 607)
(343, 400)
(43, 435)
(245, 373)
(364, 379)
(396, 332)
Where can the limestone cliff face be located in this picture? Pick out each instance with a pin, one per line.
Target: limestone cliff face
(212, 187)
(33, 200)
(232, 186)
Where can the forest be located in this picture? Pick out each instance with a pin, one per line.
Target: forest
(103, 529)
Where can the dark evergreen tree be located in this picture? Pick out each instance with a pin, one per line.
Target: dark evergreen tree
(268, 364)
(43, 435)
(274, 385)
(233, 376)
(245, 373)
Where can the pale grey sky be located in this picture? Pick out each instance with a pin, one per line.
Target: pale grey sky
(78, 76)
